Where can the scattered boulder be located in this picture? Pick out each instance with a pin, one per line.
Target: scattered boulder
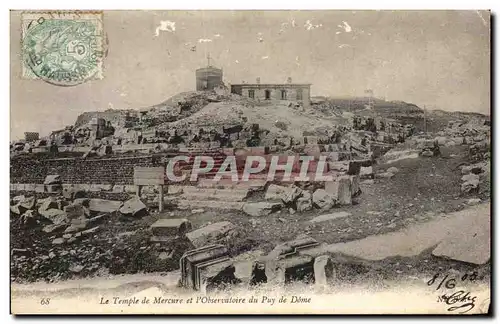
(258, 209)
(386, 175)
(104, 206)
(470, 182)
(286, 194)
(15, 209)
(134, 207)
(210, 234)
(470, 177)
(48, 203)
(54, 228)
(56, 216)
(473, 201)
(427, 153)
(17, 199)
(28, 203)
(291, 194)
(85, 202)
(475, 168)
(304, 203)
(76, 268)
(73, 228)
(322, 199)
(393, 170)
(341, 190)
(74, 211)
(366, 172)
(58, 241)
(171, 227)
(441, 140)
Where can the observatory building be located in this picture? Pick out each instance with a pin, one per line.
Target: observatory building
(299, 92)
(208, 78)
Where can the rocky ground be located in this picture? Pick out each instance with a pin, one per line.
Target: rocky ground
(420, 189)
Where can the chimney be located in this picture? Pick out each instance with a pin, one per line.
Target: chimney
(289, 80)
(258, 80)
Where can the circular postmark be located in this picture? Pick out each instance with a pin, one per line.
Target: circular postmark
(63, 52)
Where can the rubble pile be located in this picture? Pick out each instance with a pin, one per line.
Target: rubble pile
(58, 238)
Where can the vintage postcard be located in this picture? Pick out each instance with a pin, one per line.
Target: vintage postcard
(250, 162)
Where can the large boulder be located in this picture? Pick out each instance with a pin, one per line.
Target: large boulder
(470, 182)
(48, 203)
(304, 203)
(28, 203)
(366, 172)
(211, 234)
(134, 207)
(340, 189)
(104, 206)
(75, 211)
(54, 228)
(21, 204)
(475, 168)
(17, 199)
(258, 209)
(323, 200)
(170, 227)
(56, 216)
(393, 170)
(286, 194)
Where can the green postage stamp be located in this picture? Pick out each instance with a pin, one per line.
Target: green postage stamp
(63, 48)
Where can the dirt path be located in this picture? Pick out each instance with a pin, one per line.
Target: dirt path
(471, 226)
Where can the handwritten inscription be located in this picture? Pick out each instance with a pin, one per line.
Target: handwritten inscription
(461, 300)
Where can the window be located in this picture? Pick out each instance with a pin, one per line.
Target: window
(299, 94)
(251, 94)
(283, 94)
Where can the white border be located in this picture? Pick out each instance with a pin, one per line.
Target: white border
(185, 4)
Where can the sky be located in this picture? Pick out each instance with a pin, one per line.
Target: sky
(440, 59)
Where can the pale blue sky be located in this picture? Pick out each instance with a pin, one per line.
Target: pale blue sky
(440, 59)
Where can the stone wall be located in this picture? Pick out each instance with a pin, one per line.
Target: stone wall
(78, 170)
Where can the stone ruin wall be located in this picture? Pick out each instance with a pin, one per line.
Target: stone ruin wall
(77, 170)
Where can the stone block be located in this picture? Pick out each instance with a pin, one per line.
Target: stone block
(103, 205)
(134, 207)
(322, 199)
(340, 189)
(210, 234)
(171, 227)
